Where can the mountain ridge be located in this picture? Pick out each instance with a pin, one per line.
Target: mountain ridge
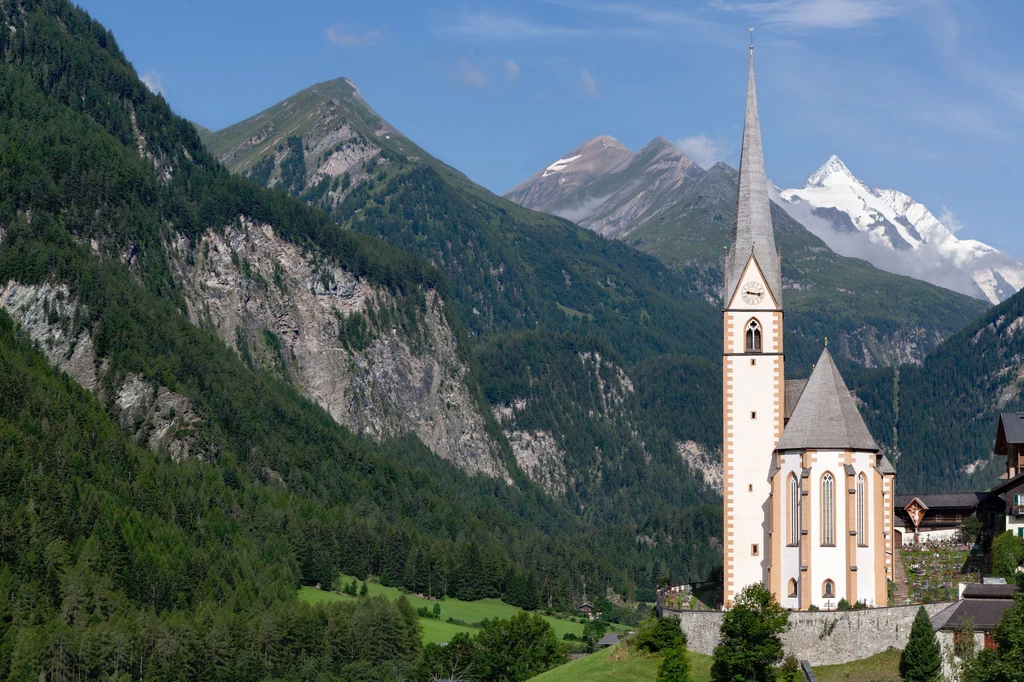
(683, 219)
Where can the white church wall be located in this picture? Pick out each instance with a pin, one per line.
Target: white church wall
(790, 559)
(753, 393)
(863, 463)
(746, 473)
(827, 563)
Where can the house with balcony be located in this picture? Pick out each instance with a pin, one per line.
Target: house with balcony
(1010, 491)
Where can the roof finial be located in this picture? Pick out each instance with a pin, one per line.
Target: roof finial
(826, 342)
(751, 38)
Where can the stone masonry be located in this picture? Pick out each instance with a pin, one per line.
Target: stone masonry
(819, 637)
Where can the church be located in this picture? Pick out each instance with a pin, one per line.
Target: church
(808, 496)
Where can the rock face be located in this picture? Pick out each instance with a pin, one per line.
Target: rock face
(540, 458)
(702, 461)
(157, 417)
(378, 365)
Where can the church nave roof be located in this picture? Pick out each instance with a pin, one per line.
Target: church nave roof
(826, 416)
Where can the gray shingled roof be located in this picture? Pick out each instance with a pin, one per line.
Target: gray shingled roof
(885, 466)
(976, 591)
(794, 389)
(986, 614)
(826, 416)
(1013, 426)
(752, 231)
(941, 500)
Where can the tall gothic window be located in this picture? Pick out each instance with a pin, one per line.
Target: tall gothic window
(828, 510)
(828, 590)
(862, 538)
(753, 336)
(792, 587)
(794, 510)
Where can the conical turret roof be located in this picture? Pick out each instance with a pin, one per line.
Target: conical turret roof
(826, 416)
(752, 231)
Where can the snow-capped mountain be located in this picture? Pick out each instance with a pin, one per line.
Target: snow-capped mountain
(893, 232)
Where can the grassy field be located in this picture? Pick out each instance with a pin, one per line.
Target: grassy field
(883, 667)
(466, 611)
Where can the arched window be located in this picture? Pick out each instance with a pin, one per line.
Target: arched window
(828, 510)
(753, 336)
(828, 590)
(794, 510)
(792, 587)
(862, 537)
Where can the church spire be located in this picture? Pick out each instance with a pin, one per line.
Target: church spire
(752, 231)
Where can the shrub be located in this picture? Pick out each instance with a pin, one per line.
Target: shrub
(659, 634)
(675, 667)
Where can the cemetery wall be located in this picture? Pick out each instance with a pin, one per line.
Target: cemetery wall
(819, 637)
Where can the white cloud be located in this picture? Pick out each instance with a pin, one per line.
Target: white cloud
(589, 84)
(493, 26)
(338, 35)
(952, 223)
(152, 80)
(811, 14)
(469, 75)
(511, 70)
(702, 149)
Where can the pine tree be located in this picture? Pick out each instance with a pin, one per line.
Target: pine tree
(921, 661)
(675, 667)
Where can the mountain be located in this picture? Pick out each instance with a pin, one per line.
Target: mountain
(175, 458)
(607, 188)
(240, 336)
(898, 234)
(563, 324)
(659, 201)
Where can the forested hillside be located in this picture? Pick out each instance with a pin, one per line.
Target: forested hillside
(948, 408)
(119, 558)
(562, 321)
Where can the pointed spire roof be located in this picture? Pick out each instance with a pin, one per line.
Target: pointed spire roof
(752, 232)
(826, 416)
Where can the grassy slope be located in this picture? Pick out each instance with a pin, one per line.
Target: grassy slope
(621, 664)
(883, 667)
(467, 611)
(624, 665)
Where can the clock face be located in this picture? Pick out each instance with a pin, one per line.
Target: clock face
(753, 293)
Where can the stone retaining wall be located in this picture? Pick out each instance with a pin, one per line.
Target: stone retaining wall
(819, 637)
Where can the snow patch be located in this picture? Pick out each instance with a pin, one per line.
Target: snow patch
(559, 166)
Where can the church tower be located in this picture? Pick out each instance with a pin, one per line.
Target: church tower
(753, 383)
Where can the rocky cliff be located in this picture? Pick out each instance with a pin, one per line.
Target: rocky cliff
(377, 364)
(155, 416)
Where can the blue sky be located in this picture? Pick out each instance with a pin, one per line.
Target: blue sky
(925, 96)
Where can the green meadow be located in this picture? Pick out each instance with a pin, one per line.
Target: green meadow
(465, 611)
